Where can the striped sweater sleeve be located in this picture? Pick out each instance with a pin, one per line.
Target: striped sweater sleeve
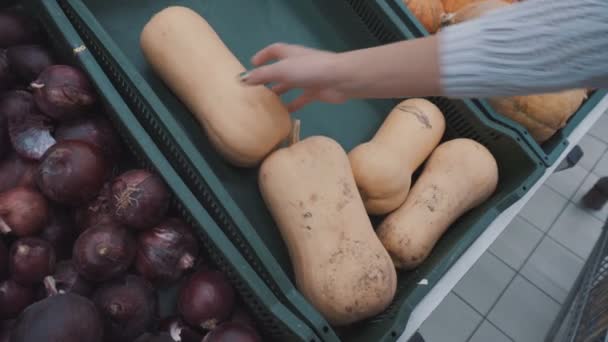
(530, 47)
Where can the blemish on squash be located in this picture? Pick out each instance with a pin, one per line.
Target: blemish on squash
(422, 118)
(307, 214)
(301, 204)
(308, 227)
(314, 198)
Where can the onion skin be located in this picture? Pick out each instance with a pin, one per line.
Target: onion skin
(206, 299)
(5, 330)
(63, 92)
(163, 337)
(66, 279)
(16, 171)
(7, 76)
(179, 330)
(72, 172)
(129, 307)
(103, 252)
(31, 259)
(3, 260)
(166, 251)
(63, 318)
(234, 332)
(17, 29)
(140, 199)
(14, 298)
(95, 130)
(29, 61)
(242, 317)
(23, 212)
(61, 233)
(97, 212)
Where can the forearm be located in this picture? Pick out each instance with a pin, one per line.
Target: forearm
(403, 69)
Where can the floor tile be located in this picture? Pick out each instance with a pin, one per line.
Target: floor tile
(516, 242)
(600, 128)
(453, 320)
(593, 149)
(577, 230)
(484, 282)
(589, 182)
(488, 333)
(524, 312)
(544, 207)
(552, 268)
(566, 182)
(601, 168)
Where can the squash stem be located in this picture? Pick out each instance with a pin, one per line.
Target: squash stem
(295, 131)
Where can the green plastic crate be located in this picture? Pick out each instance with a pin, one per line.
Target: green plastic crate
(276, 321)
(549, 151)
(111, 30)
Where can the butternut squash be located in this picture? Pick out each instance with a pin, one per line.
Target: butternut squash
(383, 167)
(460, 175)
(243, 123)
(340, 265)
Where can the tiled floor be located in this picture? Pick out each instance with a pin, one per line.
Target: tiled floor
(515, 290)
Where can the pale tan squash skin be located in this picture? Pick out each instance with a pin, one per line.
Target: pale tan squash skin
(543, 114)
(459, 175)
(340, 265)
(383, 167)
(244, 123)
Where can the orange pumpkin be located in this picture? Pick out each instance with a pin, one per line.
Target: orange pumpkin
(451, 6)
(429, 12)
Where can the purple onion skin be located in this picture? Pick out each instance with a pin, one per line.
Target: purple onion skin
(5, 142)
(23, 212)
(234, 332)
(72, 172)
(3, 260)
(31, 259)
(63, 318)
(29, 61)
(179, 330)
(7, 76)
(206, 299)
(241, 316)
(166, 252)
(140, 199)
(162, 337)
(103, 252)
(16, 171)
(94, 130)
(60, 232)
(17, 28)
(129, 307)
(96, 212)
(5, 330)
(66, 279)
(63, 92)
(14, 298)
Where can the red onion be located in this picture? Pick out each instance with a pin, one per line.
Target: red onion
(29, 130)
(162, 337)
(16, 171)
(7, 77)
(103, 252)
(23, 211)
(31, 259)
(63, 318)
(28, 61)
(233, 332)
(63, 92)
(129, 307)
(97, 212)
(206, 299)
(72, 172)
(140, 199)
(166, 251)
(6, 327)
(3, 260)
(179, 330)
(97, 131)
(17, 29)
(14, 298)
(60, 232)
(5, 143)
(66, 279)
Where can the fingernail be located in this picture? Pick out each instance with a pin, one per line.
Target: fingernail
(244, 76)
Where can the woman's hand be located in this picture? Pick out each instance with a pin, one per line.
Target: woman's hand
(297, 67)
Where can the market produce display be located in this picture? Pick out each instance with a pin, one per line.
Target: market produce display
(340, 265)
(243, 123)
(383, 167)
(459, 175)
(87, 243)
